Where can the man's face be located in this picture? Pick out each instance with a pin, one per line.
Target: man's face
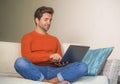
(44, 22)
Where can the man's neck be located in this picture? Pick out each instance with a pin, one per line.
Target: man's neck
(40, 31)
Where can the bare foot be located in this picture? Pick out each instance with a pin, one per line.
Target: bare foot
(44, 80)
(64, 82)
(55, 81)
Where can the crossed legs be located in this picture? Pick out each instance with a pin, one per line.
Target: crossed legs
(50, 74)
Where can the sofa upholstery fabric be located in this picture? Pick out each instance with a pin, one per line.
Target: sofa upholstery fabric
(10, 51)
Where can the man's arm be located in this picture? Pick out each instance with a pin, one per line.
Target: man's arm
(34, 57)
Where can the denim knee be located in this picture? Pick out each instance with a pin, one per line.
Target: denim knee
(84, 67)
(20, 62)
(26, 69)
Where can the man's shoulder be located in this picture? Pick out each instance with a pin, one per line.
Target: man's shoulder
(28, 35)
(52, 36)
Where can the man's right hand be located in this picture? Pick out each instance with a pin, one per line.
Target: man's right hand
(55, 57)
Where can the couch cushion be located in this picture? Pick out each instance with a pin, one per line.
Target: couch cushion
(92, 80)
(8, 53)
(15, 80)
(95, 59)
(82, 80)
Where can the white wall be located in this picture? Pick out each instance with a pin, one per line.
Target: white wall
(88, 22)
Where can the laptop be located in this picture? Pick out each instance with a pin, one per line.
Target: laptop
(75, 53)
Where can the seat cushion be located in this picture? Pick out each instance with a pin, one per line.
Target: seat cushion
(82, 80)
(92, 80)
(15, 80)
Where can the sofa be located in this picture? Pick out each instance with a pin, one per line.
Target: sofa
(10, 51)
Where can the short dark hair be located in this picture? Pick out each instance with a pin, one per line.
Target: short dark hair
(41, 10)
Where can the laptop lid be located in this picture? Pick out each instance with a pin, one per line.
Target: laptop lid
(75, 53)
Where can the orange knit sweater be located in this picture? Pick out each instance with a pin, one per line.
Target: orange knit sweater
(38, 48)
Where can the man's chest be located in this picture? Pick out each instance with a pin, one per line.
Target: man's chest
(43, 44)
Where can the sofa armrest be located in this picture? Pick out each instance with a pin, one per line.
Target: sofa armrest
(111, 70)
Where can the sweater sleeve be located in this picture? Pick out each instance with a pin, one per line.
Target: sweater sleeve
(34, 57)
(59, 48)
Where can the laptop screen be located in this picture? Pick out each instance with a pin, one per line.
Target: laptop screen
(75, 53)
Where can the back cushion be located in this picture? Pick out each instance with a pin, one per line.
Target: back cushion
(64, 47)
(95, 59)
(9, 52)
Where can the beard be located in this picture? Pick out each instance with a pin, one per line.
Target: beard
(45, 28)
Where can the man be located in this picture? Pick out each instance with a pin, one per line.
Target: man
(40, 51)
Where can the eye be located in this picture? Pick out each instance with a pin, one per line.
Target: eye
(50, 20)
(45, 19)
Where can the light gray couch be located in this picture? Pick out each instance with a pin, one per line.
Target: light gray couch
(10, 51)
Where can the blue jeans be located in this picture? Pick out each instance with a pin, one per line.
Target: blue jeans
(70, 72)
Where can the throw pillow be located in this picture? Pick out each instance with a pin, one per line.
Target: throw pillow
(95, 59)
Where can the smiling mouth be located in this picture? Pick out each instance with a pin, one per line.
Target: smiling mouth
(47, 25)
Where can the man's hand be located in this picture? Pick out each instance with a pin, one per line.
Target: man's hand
(61, 64)
(55, 57)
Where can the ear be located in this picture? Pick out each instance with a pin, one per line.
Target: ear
(37, 20)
